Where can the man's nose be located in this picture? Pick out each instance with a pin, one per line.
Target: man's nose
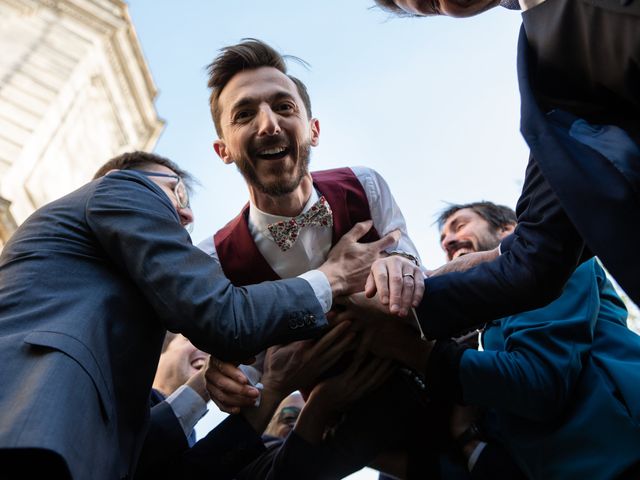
(186, 216)
(268, 122)
(447, 240)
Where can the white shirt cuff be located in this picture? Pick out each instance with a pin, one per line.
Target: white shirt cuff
(188, 407)
(473, 458)
(321, 288)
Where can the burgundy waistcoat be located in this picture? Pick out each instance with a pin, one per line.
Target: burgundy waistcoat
(239, 256)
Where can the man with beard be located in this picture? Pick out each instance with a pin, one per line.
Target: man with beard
(263, 119)
(293, 218)
(560, 382)
(580, 91)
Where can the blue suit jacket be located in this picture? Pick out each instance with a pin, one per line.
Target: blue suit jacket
(578, 198)
(563, 381)
(88, 286)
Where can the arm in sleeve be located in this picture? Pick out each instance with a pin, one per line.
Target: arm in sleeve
(294, 458)
(535, 262)
(385, 213)
(544, 349)
(221, 454)
(165, 441)
(317, 280)
(138, 228)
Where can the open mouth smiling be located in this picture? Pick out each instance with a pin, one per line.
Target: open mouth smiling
(273, 153)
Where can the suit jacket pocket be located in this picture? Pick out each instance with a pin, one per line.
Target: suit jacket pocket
(80, 353)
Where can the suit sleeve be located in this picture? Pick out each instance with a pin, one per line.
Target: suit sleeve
(292, 459)
(139, 229)
(165, 441)
(536, 261)
(544, 349)
(221, 454)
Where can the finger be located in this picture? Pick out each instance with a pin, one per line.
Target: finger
(230, 404)
(230, 371)
(418, 288)
(408, 287)
(357, 232)
(226, 401)
(370, 286)
(390, 240)
(396, 284)
(372, 374)
(330, 357)
(229, 386)
(381, 279)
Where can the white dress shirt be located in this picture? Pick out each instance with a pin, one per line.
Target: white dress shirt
(314, 242)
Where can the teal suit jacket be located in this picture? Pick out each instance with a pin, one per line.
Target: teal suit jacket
(564, 382)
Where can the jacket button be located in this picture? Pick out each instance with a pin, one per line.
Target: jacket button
(293, 324)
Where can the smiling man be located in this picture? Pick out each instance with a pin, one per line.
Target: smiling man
(580, 91)
(294, 217)
(474, 227)
(560, 381)
(265, 126)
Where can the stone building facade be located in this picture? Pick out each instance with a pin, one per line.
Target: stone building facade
(75, 90)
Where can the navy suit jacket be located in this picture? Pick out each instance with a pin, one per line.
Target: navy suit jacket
(89, 284)
(575, 202)
(563, 382)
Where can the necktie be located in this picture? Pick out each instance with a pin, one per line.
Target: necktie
(285, 233)
(510, 4)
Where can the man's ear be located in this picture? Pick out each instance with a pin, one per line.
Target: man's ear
(221, 150)
(506, 230)
(315, 132)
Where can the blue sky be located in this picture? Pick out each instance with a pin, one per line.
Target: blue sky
(432, 104)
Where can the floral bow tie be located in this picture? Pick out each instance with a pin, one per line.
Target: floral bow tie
(285, 233)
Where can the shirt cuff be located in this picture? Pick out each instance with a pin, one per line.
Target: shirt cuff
(188, 407)
(321, 288)
(473, 458)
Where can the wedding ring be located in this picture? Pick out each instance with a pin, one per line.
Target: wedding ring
(407, 275)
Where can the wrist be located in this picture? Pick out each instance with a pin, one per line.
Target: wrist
(408, 256)
(334, 277)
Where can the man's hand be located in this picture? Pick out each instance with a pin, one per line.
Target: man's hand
(198, 383)
(335, 394)
(297, 365)
(349, 262)
(228, 387)
(398, 282)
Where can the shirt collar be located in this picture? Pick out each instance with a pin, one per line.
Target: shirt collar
(259, 220)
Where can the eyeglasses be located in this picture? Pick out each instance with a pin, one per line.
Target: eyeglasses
(180, 189)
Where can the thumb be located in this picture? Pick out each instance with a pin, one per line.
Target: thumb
(391, 239)
(358, 231)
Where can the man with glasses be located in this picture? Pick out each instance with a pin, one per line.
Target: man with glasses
(90, 283)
